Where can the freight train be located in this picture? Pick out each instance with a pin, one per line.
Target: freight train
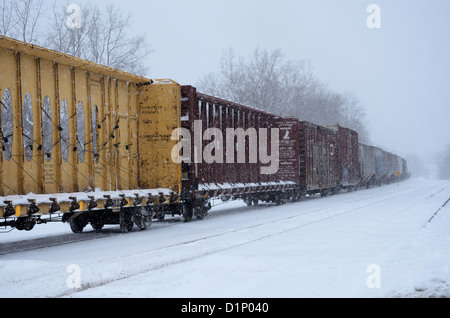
(87, 144)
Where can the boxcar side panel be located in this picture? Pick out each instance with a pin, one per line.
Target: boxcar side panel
(348, 156)
(65, 117)
(49, 125)
(159, 116)
(31, 105)
(368, 164)
(133, 136)
(317, 157)
(289, 169)
(12, 174)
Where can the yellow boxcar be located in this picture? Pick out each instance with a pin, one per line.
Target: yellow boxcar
(69, 125)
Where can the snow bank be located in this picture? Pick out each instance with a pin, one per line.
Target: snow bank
(369, 243)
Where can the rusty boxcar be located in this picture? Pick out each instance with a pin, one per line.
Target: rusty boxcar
(347, 151)
(228, 144)
(318, 159)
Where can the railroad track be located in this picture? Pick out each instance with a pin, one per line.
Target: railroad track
(56, 240)
(71, 238)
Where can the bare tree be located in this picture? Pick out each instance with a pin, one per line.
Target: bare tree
(268, 81)
(104, 36)
(26, 17)
(73, 41)
(110, 42)
(229, 82)
(264, 80)
(19, 19)
(317, 105)
(353, 116)
(6, 21)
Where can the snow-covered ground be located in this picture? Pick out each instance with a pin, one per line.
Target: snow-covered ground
(369, 243)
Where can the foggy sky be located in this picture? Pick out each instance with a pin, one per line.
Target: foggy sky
(400, 72)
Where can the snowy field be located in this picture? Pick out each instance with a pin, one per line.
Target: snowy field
(370, 243)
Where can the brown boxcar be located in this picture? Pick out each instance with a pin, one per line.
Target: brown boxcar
(317, 156)
(224, 157)
(289, 168)
(347, 157)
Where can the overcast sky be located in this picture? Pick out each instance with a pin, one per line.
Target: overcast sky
(401, 72)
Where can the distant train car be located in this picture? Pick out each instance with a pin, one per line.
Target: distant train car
(367, 163)
(405, 170)
(397, 168)
(391, 166)
(318, 159)
(401, 171)
(381, 166)
(348, 168)
(308, 156)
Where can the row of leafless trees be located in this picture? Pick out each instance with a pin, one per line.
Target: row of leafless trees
(265, 79)
(104, 35)
(268, 81)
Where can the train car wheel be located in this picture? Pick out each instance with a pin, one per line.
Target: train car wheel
(30, 225)
(187, 216)
(200, 213)
(26, 224)
(143, 220)
(77, 224)
(146, 222)
(278, 200)
(126, 225)
(18, 224)
(97, 226)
